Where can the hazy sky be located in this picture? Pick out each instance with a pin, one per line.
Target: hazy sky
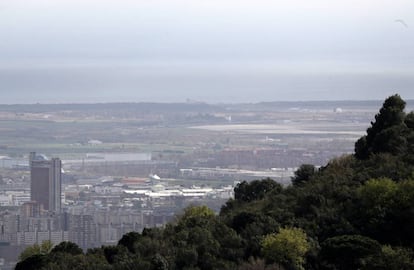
(211, 50)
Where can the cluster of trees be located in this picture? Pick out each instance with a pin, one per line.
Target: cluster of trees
(357, 212)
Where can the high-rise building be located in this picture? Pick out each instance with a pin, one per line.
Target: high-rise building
(30, 209)
(45, 182)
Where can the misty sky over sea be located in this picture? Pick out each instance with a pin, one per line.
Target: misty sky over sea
(214, 51)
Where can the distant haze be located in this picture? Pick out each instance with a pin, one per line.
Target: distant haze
(213, 51)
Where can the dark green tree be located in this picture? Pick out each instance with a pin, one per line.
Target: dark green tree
(128, 240)
(348, 252)
(409, 122)
(44, 248)
(115, 254)
(303, 174)
(374, 204)
(158, 262)
(34, 262)
(392, 258)
(254, 190)
(386, 134)
(68, 247)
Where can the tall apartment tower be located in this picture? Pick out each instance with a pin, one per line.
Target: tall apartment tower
(45, 182)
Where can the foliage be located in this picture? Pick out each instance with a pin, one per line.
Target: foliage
(33, 262)
(383, 210)
(288, 247)
(68, 247)
(259, 264)
(158, 262)
(390, 258)
(254, 190)
(36, 249)
(303, 174)
(386, 134)
(128, 240)
(348, 252)
(197, 211)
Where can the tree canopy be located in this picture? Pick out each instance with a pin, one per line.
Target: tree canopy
(288, 247)
(388, 133)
